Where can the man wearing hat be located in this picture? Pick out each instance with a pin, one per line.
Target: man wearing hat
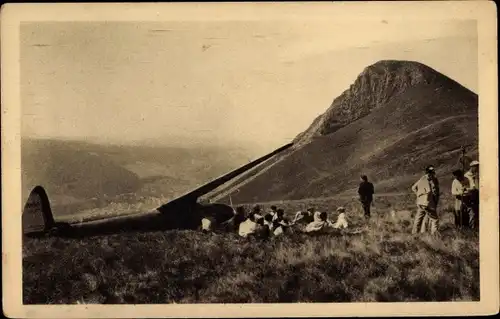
(473, 176)
(427, 191)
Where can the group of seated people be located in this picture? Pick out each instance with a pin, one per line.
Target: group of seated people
(274, 223)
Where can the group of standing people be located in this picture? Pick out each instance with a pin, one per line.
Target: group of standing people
(465, 189)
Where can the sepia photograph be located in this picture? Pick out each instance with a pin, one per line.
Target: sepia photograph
(166, 155)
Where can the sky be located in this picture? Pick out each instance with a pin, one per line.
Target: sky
(253, 83)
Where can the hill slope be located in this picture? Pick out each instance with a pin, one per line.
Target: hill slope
(73, 172)
(396, 118)
(73, 169)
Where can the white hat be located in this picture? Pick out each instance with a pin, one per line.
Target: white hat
(341, 209)
(474, 163)
(429, 168)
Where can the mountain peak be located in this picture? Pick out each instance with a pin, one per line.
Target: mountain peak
(394, 120)
(376, 85)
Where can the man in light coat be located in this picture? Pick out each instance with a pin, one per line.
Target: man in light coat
(427, 191)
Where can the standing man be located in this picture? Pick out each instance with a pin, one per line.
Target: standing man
(460, 190)
(366, 191)
(464, 160)
(427, 191)
(473, 176)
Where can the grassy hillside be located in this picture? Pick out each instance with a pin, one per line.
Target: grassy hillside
(412, 125)
(70, 169)
(382, 262)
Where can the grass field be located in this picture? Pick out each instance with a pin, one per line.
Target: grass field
(382, 263)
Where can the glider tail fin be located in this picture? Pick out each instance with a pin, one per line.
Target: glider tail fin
(37, 213)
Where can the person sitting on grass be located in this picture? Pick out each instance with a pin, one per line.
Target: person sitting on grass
(341, 219)
(274, 226)
(233, 224)
(268, 221)
(317, 216)
(207, 224)
(280, 218)
(304, 217)
(254, 227)
(248, 227)
(320, 224)
(263, 230)
(280, 223)
(256, 211)
(273, 211)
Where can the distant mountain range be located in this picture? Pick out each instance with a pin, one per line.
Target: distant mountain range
(395, 119)
(77, 171)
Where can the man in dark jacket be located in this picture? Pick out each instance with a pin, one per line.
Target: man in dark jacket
(366, 191)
